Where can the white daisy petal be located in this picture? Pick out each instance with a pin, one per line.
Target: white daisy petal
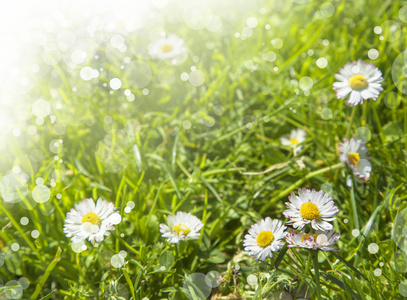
(294, 139)
(265, 239)
(359, 81)
(166, 48)
(90, 221)
(181, 226)
(322, 240)
(316, 209)
(351, 151)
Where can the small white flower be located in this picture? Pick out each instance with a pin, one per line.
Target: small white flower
(264, 238)
(90, 221)
(320, 240)
(353, 152)
(168, 47)
(296, 137)
(180, 227)
(359, 79)
(310, 207)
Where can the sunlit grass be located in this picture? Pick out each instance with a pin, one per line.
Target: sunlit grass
(159, 144)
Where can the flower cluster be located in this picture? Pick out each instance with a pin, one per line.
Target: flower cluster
(310, 212)
(315, 209)
(358, 81)
(312, 208)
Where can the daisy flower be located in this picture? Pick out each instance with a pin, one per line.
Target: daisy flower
(90, 221)
(180, 227)
(353, 152)
(358, 80)
(310, 207)
(168, 47)
(264, 238)
(296, 137)
(323, 240)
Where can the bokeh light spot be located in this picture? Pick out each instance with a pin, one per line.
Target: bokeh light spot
(252, 279)
(403, 288)
(322, 62)
(213, 279)
(117, 261)
(373, 248)
(391, 30)
(196, 78)
(41, 108)
(363, 133)
(41, 193)
(195, 285)
(306, 83)
(355, 232)
(392, 100)
(115, 83)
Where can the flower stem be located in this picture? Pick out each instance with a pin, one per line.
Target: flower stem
(178, 257)
(353, 203)
(314, 254)
(307, 267)
(352, 117)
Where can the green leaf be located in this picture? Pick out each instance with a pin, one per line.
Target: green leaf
(341, 285)
(167, 259)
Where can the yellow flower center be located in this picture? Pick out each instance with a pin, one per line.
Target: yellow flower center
(354, 158)
(306, 236)
(264, 238)
(166, 48)
(91, 218)
(309, 211)
(294, 141)
(358, 82)
(181, 229)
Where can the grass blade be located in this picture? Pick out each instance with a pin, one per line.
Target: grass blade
(44, 277)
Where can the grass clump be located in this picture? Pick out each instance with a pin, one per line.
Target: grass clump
(203, 136)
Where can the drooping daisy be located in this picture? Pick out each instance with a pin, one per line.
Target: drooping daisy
(320, 240)
(296, 137)
(353, 152)
(310, 207)
(180, 227)
(168, 47)
(90, 221)
(358, 80)
(264, 238)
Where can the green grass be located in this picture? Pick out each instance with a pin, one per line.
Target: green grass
(164, 166)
